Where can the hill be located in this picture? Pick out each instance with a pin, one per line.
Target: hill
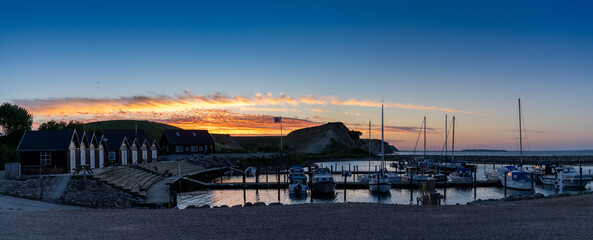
(153, 129)
(332, 137)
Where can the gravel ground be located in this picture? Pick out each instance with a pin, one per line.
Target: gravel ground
(554, 218)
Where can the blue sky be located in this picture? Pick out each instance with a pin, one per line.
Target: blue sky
(466, 55)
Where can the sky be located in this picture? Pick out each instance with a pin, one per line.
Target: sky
(230, 66)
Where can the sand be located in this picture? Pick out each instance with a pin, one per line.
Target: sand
(550, 218)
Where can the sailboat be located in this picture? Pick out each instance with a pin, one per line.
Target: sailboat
(379, 182)
(461, 175)
(425, 168)
(509, 176)
(366, 178)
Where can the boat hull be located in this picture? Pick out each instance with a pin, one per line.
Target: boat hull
(297, 188)
(381, 187)
(568, 182)
(324, 187)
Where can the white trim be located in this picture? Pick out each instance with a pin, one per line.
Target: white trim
(72, 159)
(101, 158)
(92, 157)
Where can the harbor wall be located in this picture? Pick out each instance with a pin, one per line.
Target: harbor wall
(502, 159)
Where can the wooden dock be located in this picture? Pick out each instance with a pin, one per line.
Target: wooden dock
(339, 185)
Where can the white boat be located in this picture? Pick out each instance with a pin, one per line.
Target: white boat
(250, 171)
(516, 179)
(364, 178)
(491, 175)
(297, 181)
(462, 175)
(379, 182)
(570, 178)
(393, 177)
(323, 181)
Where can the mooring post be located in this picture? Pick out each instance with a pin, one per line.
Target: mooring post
(581, 173)
(345, 177)
(411, 194)
(375, 168)
(266, 177)
(445, 185)
(505, 185)
(348, 167)
(532, 184)
(243, 177)
(331, 168)
(342, 169)
(278, 177)
(475, 185)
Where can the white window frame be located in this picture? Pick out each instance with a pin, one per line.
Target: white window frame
(153, 155)
(144, 154)
(82, 156)
(178, 149)
(72, 159)
(134, 156)
(92, 157)
(194, 148)
(44, 158)
(112, 156)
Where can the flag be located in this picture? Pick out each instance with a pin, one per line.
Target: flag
(277, 119)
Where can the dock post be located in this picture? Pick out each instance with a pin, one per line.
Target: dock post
(445, 185)
(581, 172)
(532, 184)
(375, 168)
(411, 194)
(266, 177)
(348, 167)
(475, 185)
(505, 185)
(331, 168)
(345, 177)
(342, 169)
(243, 177)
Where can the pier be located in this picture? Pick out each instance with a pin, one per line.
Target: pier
(196, 184)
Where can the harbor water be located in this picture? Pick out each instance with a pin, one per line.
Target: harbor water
(451, 196)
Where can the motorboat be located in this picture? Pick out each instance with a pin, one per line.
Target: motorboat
(462, 175)
(517, 179)
(250, 171)
(412, 176)
(393, 177)
(491, 175)
(297, 181)
(323, 181)
(570, 177)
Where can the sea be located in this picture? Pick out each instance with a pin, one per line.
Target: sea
(451, 196)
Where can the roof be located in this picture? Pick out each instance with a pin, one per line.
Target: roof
(50, 140)
(188, 136)
(114, 138)
(81, 138)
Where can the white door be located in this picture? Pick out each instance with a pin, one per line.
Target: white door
(101, 158)
(124, 157)
(134, 156)
(144, 154)
(154, 155)
(72, 160)
(82, 157)
(92, 158)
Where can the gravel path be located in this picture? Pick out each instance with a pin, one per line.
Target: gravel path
(556, 218)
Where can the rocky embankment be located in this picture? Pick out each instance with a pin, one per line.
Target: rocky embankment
(504, 159)
(94, 194)
(34, 188)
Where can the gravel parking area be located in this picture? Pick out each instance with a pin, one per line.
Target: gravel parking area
(553, 218)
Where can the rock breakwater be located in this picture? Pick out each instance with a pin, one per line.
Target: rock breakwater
(34, 188)
(94, 194)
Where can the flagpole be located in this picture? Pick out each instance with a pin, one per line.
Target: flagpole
(281, 135)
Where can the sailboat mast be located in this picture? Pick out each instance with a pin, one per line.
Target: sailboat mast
(424, 137)
(446, 136)
(369, 147)
(520, 135)
(382, 142)
(453, 142)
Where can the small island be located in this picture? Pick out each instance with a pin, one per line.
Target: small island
(483, 150)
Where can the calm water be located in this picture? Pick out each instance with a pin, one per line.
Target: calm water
(509, 153)
(396, 196)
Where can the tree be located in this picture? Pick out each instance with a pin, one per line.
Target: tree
(55, 125)
(52, 125)
(14, 120)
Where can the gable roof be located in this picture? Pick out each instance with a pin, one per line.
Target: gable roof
(50, 140)
(188, 137)
(114, 137)
(82, 138)
(92, 139)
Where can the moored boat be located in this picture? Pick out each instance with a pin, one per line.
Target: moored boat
(297, 181)
(323, 181)
(570, 178)
(462, 175)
